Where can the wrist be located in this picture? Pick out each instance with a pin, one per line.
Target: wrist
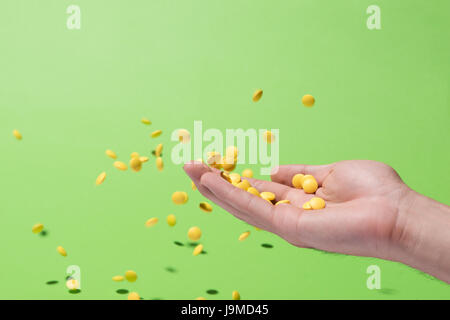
(421, 237)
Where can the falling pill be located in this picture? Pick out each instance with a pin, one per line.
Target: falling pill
(194, 233)
(197, 250)
(156, 133)
(151, 222)
(120, 165)
(257, 95)
(308, 100)
(244, 235)
(37, 228)
(17, 134)
(179, 197)
(131, 276)
(205, 206)
(62, 251)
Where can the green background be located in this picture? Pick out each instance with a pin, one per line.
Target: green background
(380, 94)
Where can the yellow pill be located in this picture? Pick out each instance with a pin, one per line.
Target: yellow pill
(134, 155)
(134, 296)
(247, 173)
(310, 185)
(171, 220)
(159, 164)
(268, 137)
(156, 133)
(37, 228)
(200, 298)
(235, 178)
(101, 177)
(151, 222)
(131, 276)
(297, 180)
(197, 250)
(135, 164)
(120, 165)
(17, 134)
(118, 278)
(307, 206)
(184, 136)
(253, 191)
(111, 154)
(268, 195)
(146, 121)
(244, 185)
(194, 187)
(317, 203)
(257, 95)
(194, 233)
(244, 235)
(179, 197)
(143, 159)
(308, 100)
(214, 160)
(61, 251)
(235, 295)
(228, 165)
(205, 206)
(158, 150)
(282, 201)
(72, 284)
(225, 175)
(308, 176)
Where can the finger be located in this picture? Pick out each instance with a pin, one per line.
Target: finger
(195, 170)
(284, 174)
(248, 205)
(297, 197)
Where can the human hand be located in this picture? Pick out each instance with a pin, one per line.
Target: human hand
(367, 209)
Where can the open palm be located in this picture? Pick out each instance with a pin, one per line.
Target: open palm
(360, 216)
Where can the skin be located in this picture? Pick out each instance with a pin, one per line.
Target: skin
(369, 211)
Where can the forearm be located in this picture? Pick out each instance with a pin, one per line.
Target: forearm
(423, 235)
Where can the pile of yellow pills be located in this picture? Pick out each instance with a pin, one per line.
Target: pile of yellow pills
(151, 222)
(134, 296)
(244, 235)
(197, 250)
(235, 178)
(194, 233)
(171, 220)
(179, 197)
(118, 278)
(257, 95)
(205, 206)
(308, 100)
(235, 295)
(111, 154)
(131, 276)
(120, 165)
(61, 251)
(156, 133)
(37, 228)
(17, 134)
